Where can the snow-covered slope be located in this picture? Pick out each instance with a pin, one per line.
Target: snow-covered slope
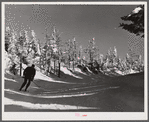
(12, 84)
(54, 93)
(74, 90)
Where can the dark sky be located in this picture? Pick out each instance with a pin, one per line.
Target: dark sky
(83, 22)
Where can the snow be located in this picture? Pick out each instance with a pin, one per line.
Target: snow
(24, 66)
(88, 70)
(131, 71)
(10, 79)
(44, 96)
(66, 71)
(66, 93)
(38, 49)
(136, 10)
(79, 71)
(37, 58)
(7, 61)
(119, 72)
(43, 106)
(41, 76)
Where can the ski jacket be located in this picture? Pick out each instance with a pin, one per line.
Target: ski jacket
(29, 72)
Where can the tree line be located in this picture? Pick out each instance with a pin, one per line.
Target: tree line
(24, 47)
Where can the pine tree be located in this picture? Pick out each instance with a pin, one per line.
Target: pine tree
(80, 55)
(26, 48)
(91, 52)
(43, 58)
(48, 54)
(12, 51)
(68, 51)
(74, 51)
(12, 46)
(20, 46)
(57, 48)
(52, 50)
(8, 35)
(136, 19)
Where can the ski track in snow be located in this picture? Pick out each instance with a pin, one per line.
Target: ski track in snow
(60, 93)
(29, 105)
(81, 92)
(39, 96)
(10, 80)
(50, 95)
(78, 88)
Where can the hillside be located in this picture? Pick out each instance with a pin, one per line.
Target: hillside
(76, 91)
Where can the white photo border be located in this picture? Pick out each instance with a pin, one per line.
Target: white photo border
(48, 116)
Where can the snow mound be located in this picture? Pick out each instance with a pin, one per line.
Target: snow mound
(41, 76)
(131, 71)
(79, 70)
(88, 70)
(119, 72)
(66, 71)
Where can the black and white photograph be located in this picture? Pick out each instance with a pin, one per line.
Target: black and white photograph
(74, 61)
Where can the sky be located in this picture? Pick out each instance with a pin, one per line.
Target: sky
(84, 22)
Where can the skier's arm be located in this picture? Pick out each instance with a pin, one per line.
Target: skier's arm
(34, 73)
(24, 72)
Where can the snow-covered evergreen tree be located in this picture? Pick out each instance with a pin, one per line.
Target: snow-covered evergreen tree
(136, 17)
(57, 48)
(74, 52)
(91, 52)
(68, 51)
(47, 53)
(52, 52)
(12, 53)
(80, 55)
(8, 35)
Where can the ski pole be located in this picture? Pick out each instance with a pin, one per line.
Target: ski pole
(36, 84)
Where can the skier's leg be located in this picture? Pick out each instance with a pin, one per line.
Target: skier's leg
(25, 81)
(28, 84)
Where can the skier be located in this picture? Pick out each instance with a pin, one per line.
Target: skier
(28, 75)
